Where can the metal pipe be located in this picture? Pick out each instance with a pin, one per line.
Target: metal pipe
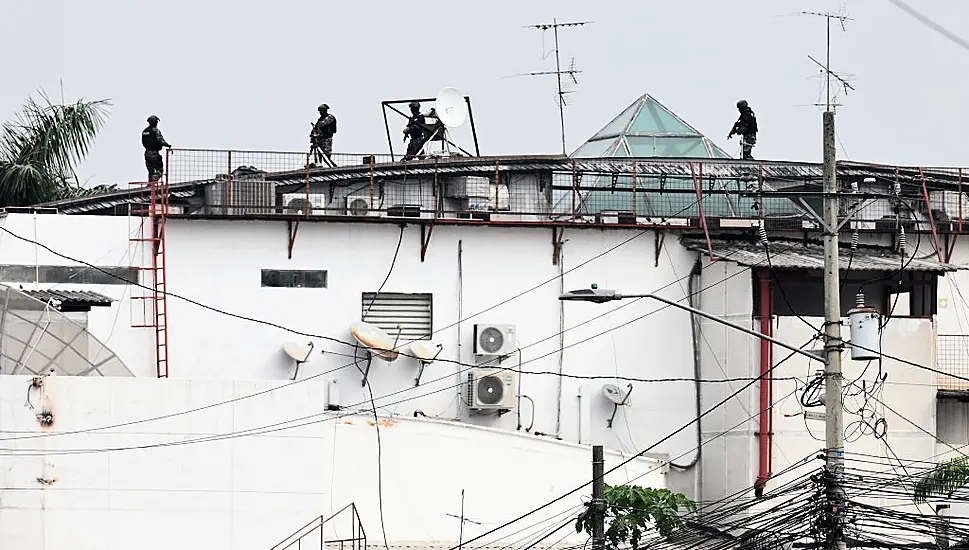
(765, 434)
(458, 366)
(561, 353)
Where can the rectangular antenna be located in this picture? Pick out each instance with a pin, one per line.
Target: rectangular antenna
(558, 72)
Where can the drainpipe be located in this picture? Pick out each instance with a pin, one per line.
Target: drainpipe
(765, 433)
(561, 354)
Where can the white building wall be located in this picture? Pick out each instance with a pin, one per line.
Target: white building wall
(909, 390)
(242, 489)
(218, 263)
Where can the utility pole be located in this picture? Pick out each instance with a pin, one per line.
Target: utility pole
(598, 499)
(834, 407)
(558, 68)
(833, 381)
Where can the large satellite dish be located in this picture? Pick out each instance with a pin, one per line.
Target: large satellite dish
(451, 107)
(378, 342)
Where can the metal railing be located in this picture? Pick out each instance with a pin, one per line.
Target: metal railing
(625, 191)
(311, 535)
(952, 358)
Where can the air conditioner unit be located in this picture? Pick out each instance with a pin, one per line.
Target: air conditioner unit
(492, 390)
(494, 339)
(359, 205)
(295, 203)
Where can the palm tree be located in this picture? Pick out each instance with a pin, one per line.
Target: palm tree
(943, 479)
(38, 151)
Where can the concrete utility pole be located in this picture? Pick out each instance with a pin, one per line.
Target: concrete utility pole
(834, 408)
(598, 499)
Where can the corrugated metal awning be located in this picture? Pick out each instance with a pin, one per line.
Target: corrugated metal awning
(70, 297)
(800, 255)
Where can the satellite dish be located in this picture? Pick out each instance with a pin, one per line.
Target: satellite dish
(613, 393)
(299, 353)
(378, 342)
(426, 352)
(451, 107)
(618, 398)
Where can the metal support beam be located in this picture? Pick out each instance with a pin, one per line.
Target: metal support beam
(426, 231)
(292, 226)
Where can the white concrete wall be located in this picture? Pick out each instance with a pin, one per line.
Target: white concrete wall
(731, 463)
(252, 491)
(218, 263)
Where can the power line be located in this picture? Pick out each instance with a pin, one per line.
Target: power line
(930, 23)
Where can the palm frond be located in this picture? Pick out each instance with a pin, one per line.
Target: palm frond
(943, 479)
(41, 148)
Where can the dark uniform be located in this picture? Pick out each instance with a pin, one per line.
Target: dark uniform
(153, 141)
(415, 131)
(321, 137)
(746, 128)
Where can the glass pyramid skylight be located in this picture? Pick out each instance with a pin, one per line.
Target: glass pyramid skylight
(648, 129)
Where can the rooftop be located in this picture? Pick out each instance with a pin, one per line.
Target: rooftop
(807, 255)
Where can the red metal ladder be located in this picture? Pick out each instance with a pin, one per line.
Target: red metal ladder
(154, 299)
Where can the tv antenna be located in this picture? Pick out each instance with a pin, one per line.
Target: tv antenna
(826, 66)
(558, 72)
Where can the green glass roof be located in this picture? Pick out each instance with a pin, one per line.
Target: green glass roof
(648, 129)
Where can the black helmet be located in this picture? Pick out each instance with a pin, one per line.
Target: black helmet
(322, 107)
(742, 104)
(414, 105)
(152, 119)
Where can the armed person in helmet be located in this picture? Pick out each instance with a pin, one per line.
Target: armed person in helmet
(746, 128)
(321, 137)
(415, 130)
(153, 141)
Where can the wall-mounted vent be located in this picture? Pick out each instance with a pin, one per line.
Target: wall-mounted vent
(411, 312)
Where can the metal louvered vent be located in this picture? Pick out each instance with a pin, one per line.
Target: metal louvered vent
(412, 312)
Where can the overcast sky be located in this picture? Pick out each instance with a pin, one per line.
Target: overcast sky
(248, 74)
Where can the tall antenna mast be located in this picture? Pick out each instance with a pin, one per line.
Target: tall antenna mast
(558, 72)
(826, 66)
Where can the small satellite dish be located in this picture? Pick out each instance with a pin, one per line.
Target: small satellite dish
(613, 393)
(299, 353)
(425, 350)
(618, 398)
(451, 107)
(378, 342)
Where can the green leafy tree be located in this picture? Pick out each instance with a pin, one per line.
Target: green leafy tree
(41, 148)
(943, 479)
(632, 510)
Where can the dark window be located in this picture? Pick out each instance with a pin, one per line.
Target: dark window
(294, 278)
(801, 292)
(82, 275)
